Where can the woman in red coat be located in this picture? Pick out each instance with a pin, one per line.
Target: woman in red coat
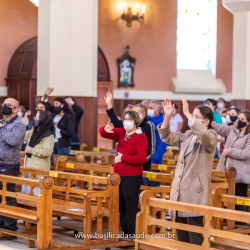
(131, 155)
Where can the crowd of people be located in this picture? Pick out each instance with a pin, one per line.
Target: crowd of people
(142, 135)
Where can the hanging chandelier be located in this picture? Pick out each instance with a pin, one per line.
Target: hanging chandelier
(36, 2)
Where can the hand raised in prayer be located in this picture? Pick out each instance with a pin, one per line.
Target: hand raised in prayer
(109, 128)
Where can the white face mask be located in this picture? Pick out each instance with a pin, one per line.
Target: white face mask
(141, 117)
(228, 119)
(128, 125)
(19, 113)
(220, 105)
(150, 113)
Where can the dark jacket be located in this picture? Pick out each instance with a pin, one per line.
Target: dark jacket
(78, 115)
(147, 128)
(66, 125)
(11, 139)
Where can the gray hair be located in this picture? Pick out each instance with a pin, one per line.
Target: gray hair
(145, 101)
(158, 104)
(142, 107)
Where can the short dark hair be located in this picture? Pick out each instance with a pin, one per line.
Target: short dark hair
(133, 115)
(236, 109)
(207, 113)
(222, 99)
(224, 111)
(141, 106)
(214, 102)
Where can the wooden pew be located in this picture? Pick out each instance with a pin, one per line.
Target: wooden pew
(220, 198)
(213, 238)
(42, 217)
(82, 204)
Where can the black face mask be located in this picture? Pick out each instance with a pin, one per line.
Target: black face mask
(233, 118)
(241, 124)
(6, 110)
(57, 110)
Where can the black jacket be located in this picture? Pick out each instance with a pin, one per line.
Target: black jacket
(66, 124)
(78, 115)
(147, 127)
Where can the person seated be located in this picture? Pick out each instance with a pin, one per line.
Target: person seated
(40, 144)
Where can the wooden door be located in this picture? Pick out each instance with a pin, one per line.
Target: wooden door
(102, 89)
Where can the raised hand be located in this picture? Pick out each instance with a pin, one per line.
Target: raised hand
(109, 128)
(108, 100)
(185, 106)
(48, 91)
(168, 107)
(69, 101)
(27, 113)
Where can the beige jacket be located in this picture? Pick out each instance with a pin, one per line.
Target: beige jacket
(41, 153)
(238, 151)
(192, 178)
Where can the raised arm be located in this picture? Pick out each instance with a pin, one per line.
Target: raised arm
(221, 129)
(111, 113)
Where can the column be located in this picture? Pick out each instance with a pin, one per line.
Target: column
(241, 51)
(67, 56)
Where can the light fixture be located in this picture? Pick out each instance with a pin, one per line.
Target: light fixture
(129, 17)
(36, 2)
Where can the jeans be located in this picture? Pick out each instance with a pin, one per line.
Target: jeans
(155, 183)
(6, 222)
(60, 151)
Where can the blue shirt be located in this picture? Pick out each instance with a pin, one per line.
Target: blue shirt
(217, 117)
(160, 145)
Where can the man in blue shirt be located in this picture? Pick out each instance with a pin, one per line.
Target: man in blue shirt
(155, 116)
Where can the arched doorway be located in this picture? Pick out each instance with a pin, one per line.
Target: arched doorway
(22, 73)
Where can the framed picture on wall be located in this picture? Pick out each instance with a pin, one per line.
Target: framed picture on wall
(126, 65)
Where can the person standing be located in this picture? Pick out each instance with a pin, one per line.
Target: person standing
(64, 126)
(12, 132)
(176, 122)
(78, 113)
(192, 177)
(221, 106)
(131, 155)
(237, 152)
(155, 116)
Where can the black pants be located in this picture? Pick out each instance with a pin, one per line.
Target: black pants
(185, 236)
(128, 202)
(6, 222)
(241, 190)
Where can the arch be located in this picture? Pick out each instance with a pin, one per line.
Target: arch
(103, 67)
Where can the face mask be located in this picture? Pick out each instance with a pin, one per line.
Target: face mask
(37, 123)
(174, 112)
(220, 105)
(57, 109)
(241, 124)
(6, 110)
(231, 118)
(150, 113)
(140, 116)
(128, 125)
(19, 113)
(189, 123)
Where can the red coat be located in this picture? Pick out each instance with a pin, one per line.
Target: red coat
(134, 151)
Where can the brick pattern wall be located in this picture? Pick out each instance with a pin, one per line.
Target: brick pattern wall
(18, 23)
(153, 43)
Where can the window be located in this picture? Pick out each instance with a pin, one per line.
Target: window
(193, 34)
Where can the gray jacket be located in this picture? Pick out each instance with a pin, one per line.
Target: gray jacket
(11, 140)
(192, 178)
(238, 151)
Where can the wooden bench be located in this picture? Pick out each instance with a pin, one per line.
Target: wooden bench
(42, 217)
(220, 199)
(82, 204)
(213, 238)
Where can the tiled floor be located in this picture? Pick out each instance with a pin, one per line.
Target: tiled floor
(63, 238)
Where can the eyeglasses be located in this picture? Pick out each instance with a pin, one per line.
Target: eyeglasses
(197, 117)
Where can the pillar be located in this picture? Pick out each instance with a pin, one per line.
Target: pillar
(241, 51)
(67, 56)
